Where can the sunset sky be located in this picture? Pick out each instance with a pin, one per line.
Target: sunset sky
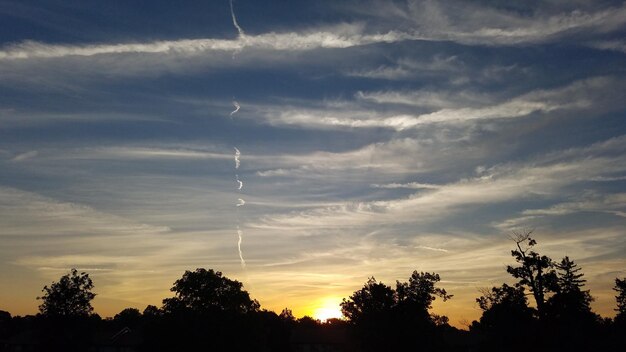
(376, 138)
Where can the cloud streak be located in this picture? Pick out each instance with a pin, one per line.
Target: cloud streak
(541, 179)
(481, 24)
(25, 156)
(574, 96)
(339, 37)
(29, 214)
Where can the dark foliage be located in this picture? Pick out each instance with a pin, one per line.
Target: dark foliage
(505, 314)
(620, 288)
(207, 291)
(384, 318)
(570, 302)
(534, 271)
(69, 297)
(129, 317)
(210, 312)
(563, 320)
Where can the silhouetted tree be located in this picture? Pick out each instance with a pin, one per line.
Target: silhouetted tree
(620, 288)
(370, 313)
(66, 321)
(569, 300)
(5, 322)
(207, 290)
(152, 312)
(441, 321)
(505, 315)
(535, 271)
(69, 297)
(128, 317)
(287, 316)
(307, 321)
(335, 322)
(572, 324)
(513, 298)
(208, 312)
(569, 279)
(370, 302)
(416, 296)
(385, 319)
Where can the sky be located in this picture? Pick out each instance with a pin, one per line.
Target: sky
(376, 138)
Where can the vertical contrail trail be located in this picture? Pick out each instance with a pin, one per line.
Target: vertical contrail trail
(232, 14)
(237, 107)
(239, 183)
(240, 234)
(237, 155)
(240, 202)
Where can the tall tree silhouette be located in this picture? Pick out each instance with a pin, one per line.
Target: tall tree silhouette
(620, 288)
(570, 301)
(569, 276)
(534, 271)
(69, 297)
(67, 320)
(572, 323)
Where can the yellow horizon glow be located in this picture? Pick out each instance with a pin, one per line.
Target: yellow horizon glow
(327, 308)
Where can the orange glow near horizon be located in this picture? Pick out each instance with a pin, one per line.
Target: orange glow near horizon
(328, 308)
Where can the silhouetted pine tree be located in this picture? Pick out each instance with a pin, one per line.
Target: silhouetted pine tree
(572, 323)
(620, 288)
(570, 300)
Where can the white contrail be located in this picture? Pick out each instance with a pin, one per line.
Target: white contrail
(240, 201)
(232, 14)
(237, 107)
(237, 155)
(240, 234)
(239, 182)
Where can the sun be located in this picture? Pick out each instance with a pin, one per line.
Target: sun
(328, 309)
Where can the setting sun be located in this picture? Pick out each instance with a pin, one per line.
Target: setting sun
(328, 309)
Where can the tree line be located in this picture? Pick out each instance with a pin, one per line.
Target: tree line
(211, 312)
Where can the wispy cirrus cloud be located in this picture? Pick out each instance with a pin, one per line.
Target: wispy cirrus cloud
(28, 118)
(25, 155)
(616, 45)
(130, 152)
(415, 20)
(481, 24)
(340, 36)
(397, 156)
(574, 96)
(542, 178)
(29, 214)
(613, 204)
(426, 98)
(406, 68)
